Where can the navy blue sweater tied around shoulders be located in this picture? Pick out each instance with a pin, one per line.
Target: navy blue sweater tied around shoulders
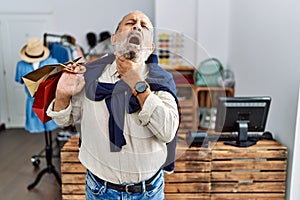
(118, 95)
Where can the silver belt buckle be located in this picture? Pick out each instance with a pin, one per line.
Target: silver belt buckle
(126, 188)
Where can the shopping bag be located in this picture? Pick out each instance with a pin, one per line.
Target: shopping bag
(46, 89)
(34, 78)
(44, 95)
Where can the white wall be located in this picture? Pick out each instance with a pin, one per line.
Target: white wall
(178, 17)
(77, 17)
(3, 97)
(2, 91)
(295, 181)
(264, 53)
(213, 28)
(204, 25)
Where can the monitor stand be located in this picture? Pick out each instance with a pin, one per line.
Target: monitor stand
(242, 140)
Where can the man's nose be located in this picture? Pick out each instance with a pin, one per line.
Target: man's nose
(137, 28)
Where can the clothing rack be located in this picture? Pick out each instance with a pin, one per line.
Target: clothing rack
(59, 38)
(47, 35)
(63, 47)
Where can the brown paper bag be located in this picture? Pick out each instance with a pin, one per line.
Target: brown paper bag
(34, 78)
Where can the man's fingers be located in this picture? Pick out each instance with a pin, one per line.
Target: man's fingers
(71, 83)
(79, 69)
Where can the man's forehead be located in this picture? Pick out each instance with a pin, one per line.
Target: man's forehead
(136, 16)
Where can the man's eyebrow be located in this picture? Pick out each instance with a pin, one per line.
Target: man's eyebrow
(131, 20)
(143, 21)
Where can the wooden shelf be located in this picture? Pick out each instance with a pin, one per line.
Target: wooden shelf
(192, 97)
(178, 68)
(225, 89)
(208, 96)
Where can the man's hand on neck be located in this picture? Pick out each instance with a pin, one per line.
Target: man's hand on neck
(131, 73)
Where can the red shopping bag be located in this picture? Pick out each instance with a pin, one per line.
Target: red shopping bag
(44, 95)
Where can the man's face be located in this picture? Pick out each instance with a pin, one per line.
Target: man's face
(134, 39)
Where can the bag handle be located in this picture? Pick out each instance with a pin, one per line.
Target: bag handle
(212, 59)
(70, 69)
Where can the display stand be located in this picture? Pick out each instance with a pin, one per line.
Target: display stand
(50, 167)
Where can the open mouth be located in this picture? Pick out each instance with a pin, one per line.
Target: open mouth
(134, 39)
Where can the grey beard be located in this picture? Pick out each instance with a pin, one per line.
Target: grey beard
(136, 53)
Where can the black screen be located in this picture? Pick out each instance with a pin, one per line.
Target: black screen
(250, 110)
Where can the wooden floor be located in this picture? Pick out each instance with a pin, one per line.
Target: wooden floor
(16, 170)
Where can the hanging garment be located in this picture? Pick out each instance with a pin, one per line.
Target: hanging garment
(33, 124)
(60, 52)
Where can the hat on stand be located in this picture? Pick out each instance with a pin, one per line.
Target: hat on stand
(104, 35)
(34, 51)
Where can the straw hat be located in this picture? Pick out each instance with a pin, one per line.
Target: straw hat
(34, 51)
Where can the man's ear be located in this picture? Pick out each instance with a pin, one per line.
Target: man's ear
(152, 47)
(113, 39)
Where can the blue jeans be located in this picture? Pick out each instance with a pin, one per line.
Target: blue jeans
(95, 190)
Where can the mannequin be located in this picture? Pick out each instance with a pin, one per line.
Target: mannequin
(33, 56)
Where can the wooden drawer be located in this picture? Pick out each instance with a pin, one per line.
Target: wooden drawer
(191, 177)
(72, 172)
(259, 170)
(188, 108)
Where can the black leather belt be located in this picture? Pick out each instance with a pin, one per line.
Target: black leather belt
(129, 188)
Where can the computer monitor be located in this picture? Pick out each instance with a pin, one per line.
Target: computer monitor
(242, 115)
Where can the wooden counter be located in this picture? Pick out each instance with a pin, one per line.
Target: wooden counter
(215, 172)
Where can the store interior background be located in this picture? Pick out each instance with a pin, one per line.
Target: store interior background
(258, 39)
